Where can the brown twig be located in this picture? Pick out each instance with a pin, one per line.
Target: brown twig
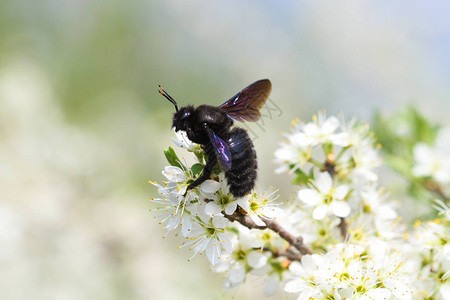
(289, 254)
(296, 242)
(244, 220)
(343, 228)
(436, 189)
(330, 167)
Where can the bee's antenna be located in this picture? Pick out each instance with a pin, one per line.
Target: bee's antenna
(167, 96)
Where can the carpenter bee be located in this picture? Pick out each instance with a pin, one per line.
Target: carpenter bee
(211, 127)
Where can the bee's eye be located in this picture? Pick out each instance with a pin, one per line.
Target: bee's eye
(185, 115)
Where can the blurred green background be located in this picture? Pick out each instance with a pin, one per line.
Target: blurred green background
(82, 127)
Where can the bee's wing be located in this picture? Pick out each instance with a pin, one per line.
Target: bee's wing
(221, 149)
(245, 105)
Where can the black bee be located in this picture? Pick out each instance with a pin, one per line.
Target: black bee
(211, 127)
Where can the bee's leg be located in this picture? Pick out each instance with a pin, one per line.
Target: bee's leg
(207, 169)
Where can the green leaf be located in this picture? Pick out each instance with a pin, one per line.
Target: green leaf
(199, 155)
(425, 132)
(327, 148)
(300, 178)
(400, 132)
(216, 169)
(418, 192)
(399, 163)
(196, 168)
(173, 159)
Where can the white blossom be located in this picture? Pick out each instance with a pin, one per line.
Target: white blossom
(433, 161)
(321, 131)
(326, 198)
(183, 141)
(334, 162)
(345, 274)
(209, 237)
(263, 206)
(271, 285)
(174, 174)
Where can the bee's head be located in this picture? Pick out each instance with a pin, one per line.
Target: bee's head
(181, 118)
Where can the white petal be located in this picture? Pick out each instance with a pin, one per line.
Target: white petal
(270, 212)
(324, 182)
(311, 130)
(296, 267)
(340, 139)
(335, 264)
(442, 175)
(299, 140)
(174, 174)
(213, 253)
(308, 263)
(201, 246)
(220, 222)
(398, 289)
(199, 210)
(210, 186)
(284, 154)
(341, 192)
(309, 196)
(282, 169)
(178, 143)
(442, 142)
(347, 293)
(445, 291)
(212, 209)
(320, 212)
(226, 243)
(423, 153)
(257, 220)
(307, 294)
(179, 194)
(187, 225)
(173, 222)
(227, 285)
(182, 140)
(231, 208)
(330, 125)
(340, 208)
(272, 284)
(379, 293)
(295, 286)
(251, 241)
(421, 170)
(386, 212)
(243, 203)
(368, 174)
(256, 259)
(237, 274)
(352, 250)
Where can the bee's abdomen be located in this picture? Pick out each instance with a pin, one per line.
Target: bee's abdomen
(242, 174)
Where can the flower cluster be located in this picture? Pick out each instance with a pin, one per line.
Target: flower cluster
(420, 152)
(433, 161)
(328, 142)
(202, 226)
(334, 165)
(202, 215)
(432, 244)
(348, 272)
(340, 238)
(344, 213)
